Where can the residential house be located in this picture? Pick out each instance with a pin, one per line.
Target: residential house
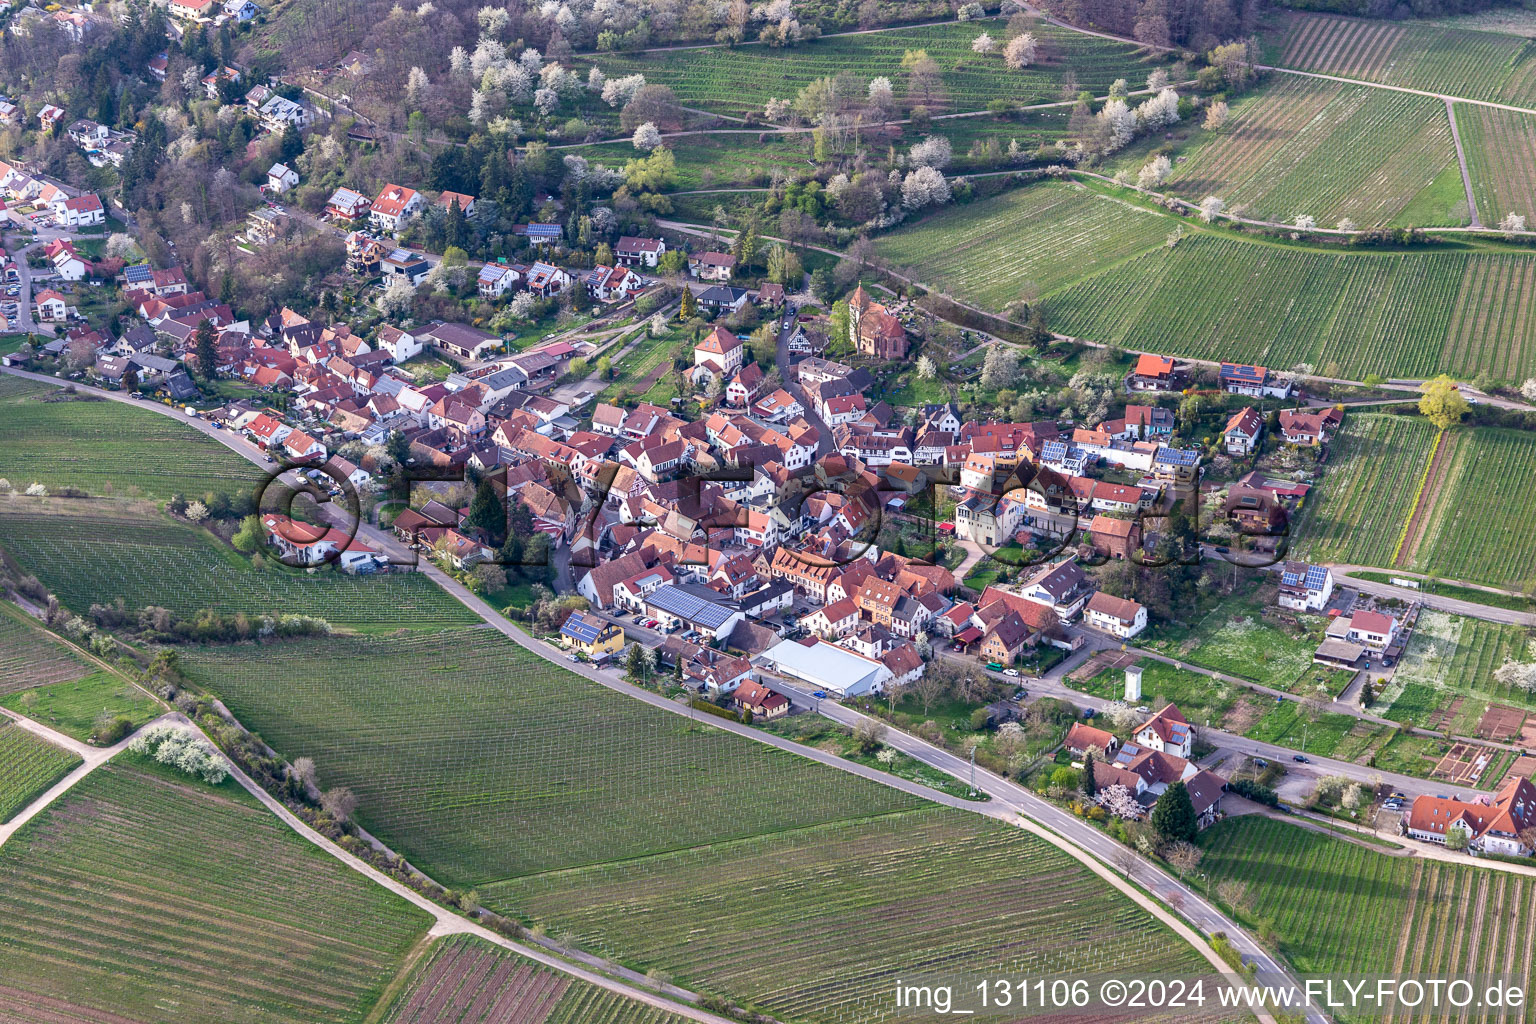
(1149, 422)
(540, 234)
(50, 116)
(281, 178)
(401, 345)
(1063, 587)
(300, 447)
(1309, 427)
(1243, 431)
(761, 702)
(719, 354)
(240, 10)
(51, 306)
(460, 340)
(595, 637)
(612, 283)
(1085, 739)
(465, 203)
(711, 266)
(1373, 630)
(1167, 732)
(545, 280)
(639, 252)
(1498, 826)
(1253, 381)
(279, 113)
(1151, 373)
(833, 620)
(347, 205)
(193, 10)
(395, 205)
(1007, 640)
(81, 212)
(404, 263)
(1305, 588)
(303, 544)
(1115, 616)
(212, 82)
(1114, 538)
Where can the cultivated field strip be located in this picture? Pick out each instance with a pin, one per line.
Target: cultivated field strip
(743, 79)
(28, 766)
(1501, 160)
(1304, 146)
(1481, 526)
(1340, 908)
(159, 900)
(107, 447)
(468, 981)
(815, 924)
(1451, 655)
(1070, 233)
(481, 761)
(1451, 61)
(1357, 512)
(99, 554)
(29, 657)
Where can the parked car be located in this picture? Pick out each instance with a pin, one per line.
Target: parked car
(994, 666)
(819, 694)
(1300, 758)
(1011, 672)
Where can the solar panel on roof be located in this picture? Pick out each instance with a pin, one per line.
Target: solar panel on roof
(1317, 575)
(689, 606)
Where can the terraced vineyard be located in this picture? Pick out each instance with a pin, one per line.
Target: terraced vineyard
(813, 924)
(88, 552)
(469, 981)
(30, 657)
(137, 889)
(1501, 160)
(109, 448)
(1478, 528)
(1435, 58)
(1304, 146)
(742, 79)
(482, 761)
(1339, 908)
(1357, 513)
(28, 766)
(1072, 232)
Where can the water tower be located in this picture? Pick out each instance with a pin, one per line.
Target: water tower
(1133, 684)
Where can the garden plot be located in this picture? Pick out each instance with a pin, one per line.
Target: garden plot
(160, 899)
(1303, 146)
(107, 447)
(1070, 232)
(93, 552)
(1367, 493)
(28, 766)
(1501, 161)
(1337, 907)
(814, 924)
(469, 981)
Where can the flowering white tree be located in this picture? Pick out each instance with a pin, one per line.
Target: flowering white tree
(1528, 389)
(1154, 172)
(1216, 116)
(983, 43)
(546, 100)
(398, 297)
(927, 369)
(458, 62)
(646, 137)
(1118, 801)
(488, 54)
(521, 306)
(881, 94)
(1021, 51)
(182, 748)
(1121, 122)
(37, 491)
(1159, 112)
(1211, 208)
(197, 511)
(493, 20)
(596, 80)
(1512, 222)
(619, 91)
(1157, 81)
(1345, 224)
(531, 59)
(934, 151)
(924, 187)
(416, 85)
(1305, 222)
(1518, 674)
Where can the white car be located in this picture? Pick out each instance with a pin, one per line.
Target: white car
(1011, 672)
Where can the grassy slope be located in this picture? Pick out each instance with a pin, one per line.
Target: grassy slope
(162, 899)
(75, 707)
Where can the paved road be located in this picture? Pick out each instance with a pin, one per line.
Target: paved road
(1471, 609)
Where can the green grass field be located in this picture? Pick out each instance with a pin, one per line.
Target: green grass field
(832, 911)
(466, 980)
(76, 706)
(153, 898)
(1339, 908)
(1358, 511)
(1478, 524)
(28, 766)
(93, 552)
(743, 79)
(109, 448)
(1304, 146)
(29, 656)
(481, 761)
(1436, 58)
(1071, 233)
(1218, 296)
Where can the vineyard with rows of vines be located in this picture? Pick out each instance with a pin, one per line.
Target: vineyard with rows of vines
(1501, 161)
(1479, 526)
(139, 885)
(28, 766)
(1304, 146)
